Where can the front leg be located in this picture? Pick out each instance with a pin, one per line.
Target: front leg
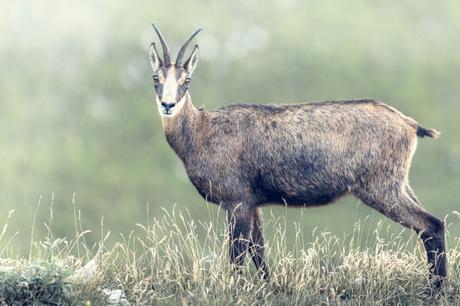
(240, 222)
(256, 246)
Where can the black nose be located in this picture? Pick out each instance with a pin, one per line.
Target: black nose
(167, 106)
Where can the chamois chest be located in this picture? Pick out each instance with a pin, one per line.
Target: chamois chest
(216, 175)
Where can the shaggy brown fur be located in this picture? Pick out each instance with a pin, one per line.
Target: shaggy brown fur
(245, 156)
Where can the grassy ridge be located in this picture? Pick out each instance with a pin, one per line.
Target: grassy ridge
(165, 262)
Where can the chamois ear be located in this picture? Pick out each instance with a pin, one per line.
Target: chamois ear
(155, 60)
(192, 61)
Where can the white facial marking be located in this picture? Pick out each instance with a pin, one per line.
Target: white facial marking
(170, 86)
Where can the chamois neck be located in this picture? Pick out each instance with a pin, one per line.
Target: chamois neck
(181, 131)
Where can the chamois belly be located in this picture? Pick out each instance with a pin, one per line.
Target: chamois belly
(306, 198)
(304, 195)
(303, 183)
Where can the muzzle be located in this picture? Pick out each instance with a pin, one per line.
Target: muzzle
(167, 107)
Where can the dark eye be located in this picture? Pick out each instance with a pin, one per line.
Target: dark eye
(155, 79)
(187, 81)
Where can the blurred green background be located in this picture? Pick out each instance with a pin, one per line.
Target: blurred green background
(77, 112)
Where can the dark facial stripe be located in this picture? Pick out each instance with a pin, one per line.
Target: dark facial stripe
(159, 85)
(182, 88)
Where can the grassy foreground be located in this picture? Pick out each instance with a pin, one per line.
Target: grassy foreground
(168, 263)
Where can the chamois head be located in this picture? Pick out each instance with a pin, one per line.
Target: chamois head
(172, 80)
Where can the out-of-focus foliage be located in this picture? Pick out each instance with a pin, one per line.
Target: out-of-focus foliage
(77, 110)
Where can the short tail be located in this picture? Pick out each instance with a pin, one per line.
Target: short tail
(422, 132)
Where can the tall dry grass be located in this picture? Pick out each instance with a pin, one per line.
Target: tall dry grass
(167, 262)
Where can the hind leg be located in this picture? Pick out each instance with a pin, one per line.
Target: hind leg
(411, 194)
(400, 207)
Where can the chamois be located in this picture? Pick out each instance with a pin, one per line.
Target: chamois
(245, 156)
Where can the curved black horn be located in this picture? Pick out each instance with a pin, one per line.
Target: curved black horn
(164, 46)
(180, 55)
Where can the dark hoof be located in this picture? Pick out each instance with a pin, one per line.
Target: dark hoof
(438, 283)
